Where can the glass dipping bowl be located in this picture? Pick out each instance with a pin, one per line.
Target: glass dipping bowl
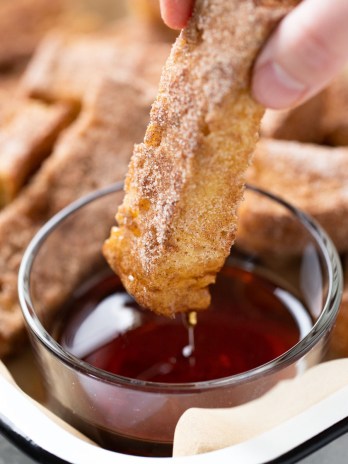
(139, 417)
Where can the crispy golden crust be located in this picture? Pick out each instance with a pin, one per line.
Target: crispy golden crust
(185, 181)
(68, 67)
(314, 178)
(92, 153)
(26, 138)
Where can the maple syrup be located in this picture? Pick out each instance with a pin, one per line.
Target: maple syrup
(250, 322)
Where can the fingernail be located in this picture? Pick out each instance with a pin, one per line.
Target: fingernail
(274, 88)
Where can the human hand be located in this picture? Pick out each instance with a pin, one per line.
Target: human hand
(308, 48)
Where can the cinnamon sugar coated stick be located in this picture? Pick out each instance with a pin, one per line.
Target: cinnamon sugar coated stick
(92, 153)
(26, 139)
(178, 219)
(311, 177)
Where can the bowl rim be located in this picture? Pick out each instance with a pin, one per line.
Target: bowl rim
(324, 321)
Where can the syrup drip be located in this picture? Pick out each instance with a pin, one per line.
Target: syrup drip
(190, 322)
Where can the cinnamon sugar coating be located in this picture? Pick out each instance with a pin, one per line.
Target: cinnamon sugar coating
(179, 216)
(26, 139)
(93, 152)
(311, 177)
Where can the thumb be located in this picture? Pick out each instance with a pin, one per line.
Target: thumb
(309, 47)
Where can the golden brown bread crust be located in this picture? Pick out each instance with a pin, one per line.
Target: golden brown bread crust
(185, 181)
(314, 178)
(92, 153)
(26, 138)
(68, 67)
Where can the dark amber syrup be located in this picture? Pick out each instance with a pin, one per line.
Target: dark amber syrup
(250, 321)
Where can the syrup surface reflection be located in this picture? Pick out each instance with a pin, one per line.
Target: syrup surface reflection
(250, 322)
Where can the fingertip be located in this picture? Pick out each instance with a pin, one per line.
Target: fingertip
(175, 13)
(174, 23)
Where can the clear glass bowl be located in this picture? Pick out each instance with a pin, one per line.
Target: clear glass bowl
(139, 417)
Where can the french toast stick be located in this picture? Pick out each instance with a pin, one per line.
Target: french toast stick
(66, 67)
(311, 177)
(26, 138)
(184, 184)
(93, 152)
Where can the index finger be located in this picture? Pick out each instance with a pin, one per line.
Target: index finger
(175, 13)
